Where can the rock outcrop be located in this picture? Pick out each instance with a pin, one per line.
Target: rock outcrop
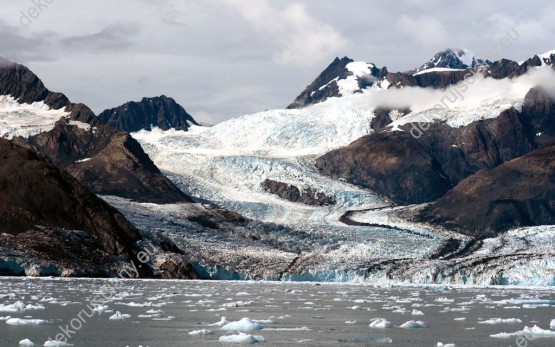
(307, 196)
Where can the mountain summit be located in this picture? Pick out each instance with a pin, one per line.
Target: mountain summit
(341, 78)
(161, 112)
(461, 59)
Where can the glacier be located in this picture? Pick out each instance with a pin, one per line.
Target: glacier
(362, 238)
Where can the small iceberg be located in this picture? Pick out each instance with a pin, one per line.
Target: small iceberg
(26, 343)
(120, 316)
(414, 325)
(493, 321)
(381, 323)
(534, 331)
(245, 324)
(223, 321)
(56, 343)
(202, 332)
(21, 321)
(241, 338)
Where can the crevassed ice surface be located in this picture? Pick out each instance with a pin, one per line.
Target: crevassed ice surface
(27, 120)
(227, 163)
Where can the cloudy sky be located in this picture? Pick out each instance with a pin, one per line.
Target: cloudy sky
(224, 58)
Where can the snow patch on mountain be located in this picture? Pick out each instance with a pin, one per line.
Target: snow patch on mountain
(26, 120)
(350, 84)
(437, 69)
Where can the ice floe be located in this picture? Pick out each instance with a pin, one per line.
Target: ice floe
(23, 321)
(245, 324)
(493, 321)
(120, 316)
(381, 323)
(535, 332)
(414, 325)
(202, 332)
(242, 338)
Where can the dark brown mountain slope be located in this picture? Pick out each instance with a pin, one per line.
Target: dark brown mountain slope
(36, 197)
(520, 192)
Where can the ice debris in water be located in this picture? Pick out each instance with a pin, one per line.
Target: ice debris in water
(245, 324)
(414, 325)
(241, 338)
(120, 316)
(202, 332)
(381, 323)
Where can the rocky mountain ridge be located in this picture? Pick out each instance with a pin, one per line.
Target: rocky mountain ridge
(160, 112)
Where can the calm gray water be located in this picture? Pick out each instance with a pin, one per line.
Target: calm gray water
(291, 313)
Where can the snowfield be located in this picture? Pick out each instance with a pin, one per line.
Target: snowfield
(27, 120)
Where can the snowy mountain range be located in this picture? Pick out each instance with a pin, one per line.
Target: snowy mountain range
(456, 156)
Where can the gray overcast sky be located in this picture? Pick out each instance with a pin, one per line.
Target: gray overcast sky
(224, 58)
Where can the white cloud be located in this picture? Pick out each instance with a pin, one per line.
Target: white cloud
(474, 91)
(424, 30)
(302, 39)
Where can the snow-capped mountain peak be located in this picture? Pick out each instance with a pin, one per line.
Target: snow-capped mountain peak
(342, 77)
(453, 58)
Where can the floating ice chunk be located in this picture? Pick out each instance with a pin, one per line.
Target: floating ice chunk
(237, 304)
(417, 313)
(414, 325)
(15, 307)
(26, 343)
(552, 324)
(350, 321)
(241, 338)
(168, 318)
(34, 307)
(120, 316)
(5, 318)
(535, 332)
(455, 309)
(152, 311)
(223, 321)
(102, 308)
(245, 324)
(202, 332)
(460, 318)
(22, 321)
(242, 294)
(493, 321)
(441, 344)
(444, 299)
(56, 343)
(381, 323)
